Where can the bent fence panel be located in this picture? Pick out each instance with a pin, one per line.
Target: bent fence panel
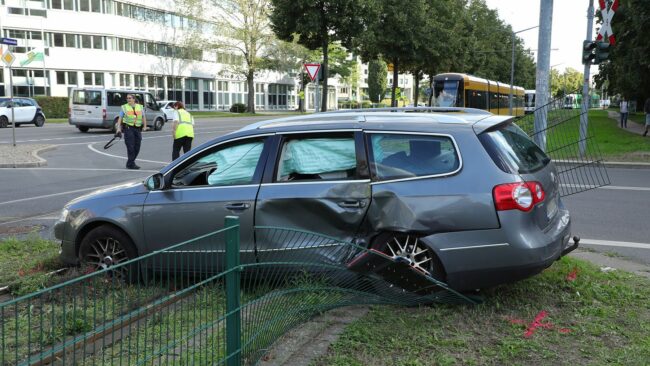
(192, 303)
(578, 159)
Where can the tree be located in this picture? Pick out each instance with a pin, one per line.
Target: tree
(241, 27)
(377, 80)
(396, 31)
(317, 24)
(569, 82)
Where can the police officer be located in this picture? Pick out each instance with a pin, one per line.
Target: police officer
(183, 130)
(131, 123)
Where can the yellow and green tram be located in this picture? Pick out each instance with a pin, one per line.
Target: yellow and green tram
(462, 90)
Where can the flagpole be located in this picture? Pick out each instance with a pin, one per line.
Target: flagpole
(47, 79)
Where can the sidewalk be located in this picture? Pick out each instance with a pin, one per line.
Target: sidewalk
(23, 155)
(632, 127)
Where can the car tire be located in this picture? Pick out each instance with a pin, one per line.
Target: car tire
(4, 122)
(106, 246)
(410, 248)
(83, 128)
(158, 124)
(39, 121)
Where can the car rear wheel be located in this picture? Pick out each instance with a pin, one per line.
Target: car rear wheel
(83, 128)
(104, 247)
(158, 124)
(40, 120)
(411, 249)
(4, 122)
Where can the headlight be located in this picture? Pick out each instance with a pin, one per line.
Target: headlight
(64, 214)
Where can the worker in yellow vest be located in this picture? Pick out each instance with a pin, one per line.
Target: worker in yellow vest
(131, 122)
(182, 130)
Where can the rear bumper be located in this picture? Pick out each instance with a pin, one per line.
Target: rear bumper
(485, 258)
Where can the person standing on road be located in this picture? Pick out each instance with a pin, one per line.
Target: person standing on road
(646, 109)
(133, 121)
(623, 108)
(182, 130)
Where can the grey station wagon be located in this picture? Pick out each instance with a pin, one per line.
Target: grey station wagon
(465, 197)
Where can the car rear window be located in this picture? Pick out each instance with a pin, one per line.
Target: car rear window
(398, 156)
(512, 150)
(87, 97)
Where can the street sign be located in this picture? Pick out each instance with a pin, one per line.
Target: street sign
(8, 58)
(312, 70)
(9, 41)
(608, 14)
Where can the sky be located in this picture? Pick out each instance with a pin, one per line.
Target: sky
(569, 27)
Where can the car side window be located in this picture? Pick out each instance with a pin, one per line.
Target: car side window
(231, 164)
(151, 102)
(317, 158)
(398, 156)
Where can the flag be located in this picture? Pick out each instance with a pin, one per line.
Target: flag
(32, 56)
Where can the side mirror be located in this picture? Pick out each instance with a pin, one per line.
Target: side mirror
(155, 182)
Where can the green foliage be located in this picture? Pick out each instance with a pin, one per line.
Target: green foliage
(566, 83)
(54, 107)
(238, 108)
(628, 70)
(377, 80)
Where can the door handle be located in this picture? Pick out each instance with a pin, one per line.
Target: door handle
(238, 206)
(351, 204)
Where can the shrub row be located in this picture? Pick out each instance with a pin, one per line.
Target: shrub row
(238, 108)
(354, 104)
(54, 107)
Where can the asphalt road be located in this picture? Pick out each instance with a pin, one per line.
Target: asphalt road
(613, 219)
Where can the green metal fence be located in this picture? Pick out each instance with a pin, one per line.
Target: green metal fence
(210, 300)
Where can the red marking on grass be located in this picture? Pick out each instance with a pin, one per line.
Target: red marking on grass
(572, 275)
(537, 323)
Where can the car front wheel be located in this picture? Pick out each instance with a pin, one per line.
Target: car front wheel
(4, 122)
(40, 120)
(105, 247)
(158, 124)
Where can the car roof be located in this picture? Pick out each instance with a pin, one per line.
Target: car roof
(423, 119)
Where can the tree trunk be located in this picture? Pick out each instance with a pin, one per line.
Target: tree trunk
(324, 70)
(432, 91)
(416, 91)
(393, 96)
(250, 107)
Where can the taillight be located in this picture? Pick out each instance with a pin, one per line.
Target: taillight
(518, 196)
(104, 113)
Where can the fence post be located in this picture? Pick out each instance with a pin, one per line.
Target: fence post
(233, 275)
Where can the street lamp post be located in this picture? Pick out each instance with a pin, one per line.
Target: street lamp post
(512, 66)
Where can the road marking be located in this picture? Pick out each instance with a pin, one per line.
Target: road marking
(90, 146)
(622, 188)
(614, 243)
(47, 216)
(60, 193)
(91, 169)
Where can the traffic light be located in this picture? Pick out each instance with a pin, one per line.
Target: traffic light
(602, 52)
(588, 54)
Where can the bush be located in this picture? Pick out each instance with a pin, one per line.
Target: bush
(366, 104)
(238, 108)
(54, 107)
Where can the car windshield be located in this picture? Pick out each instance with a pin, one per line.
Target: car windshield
(4, 102)
(513, 151)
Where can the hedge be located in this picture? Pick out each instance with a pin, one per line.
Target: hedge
(238, 108)
(54, 107)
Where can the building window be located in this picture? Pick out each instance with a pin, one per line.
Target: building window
(71, 40)
(72, 78)
(88, 78)
(84, 5)
(86, 41)
(58, 39)
(98, 43)
(60, 77)
(99, 78)
(96, 6)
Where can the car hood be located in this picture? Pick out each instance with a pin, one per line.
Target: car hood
(125, 189)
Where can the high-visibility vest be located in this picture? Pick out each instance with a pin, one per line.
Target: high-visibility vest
(185, 126)
(132, 114)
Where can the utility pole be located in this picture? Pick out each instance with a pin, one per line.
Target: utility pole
(584, 118)
(543, 71)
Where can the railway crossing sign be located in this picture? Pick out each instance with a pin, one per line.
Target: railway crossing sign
(312, 70)
(608, 14)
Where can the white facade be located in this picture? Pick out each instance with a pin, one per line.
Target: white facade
(134, 45)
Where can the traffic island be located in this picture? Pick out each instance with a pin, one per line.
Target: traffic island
(23, 156)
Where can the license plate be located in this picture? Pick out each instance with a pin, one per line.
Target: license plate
(551, 208)
(79, 112)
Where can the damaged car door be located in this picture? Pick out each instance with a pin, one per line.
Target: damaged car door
(317, 182)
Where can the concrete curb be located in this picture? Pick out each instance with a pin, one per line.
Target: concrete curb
(38, 161)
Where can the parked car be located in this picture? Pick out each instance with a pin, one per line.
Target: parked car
(465, 197)
(167, 107)
(26, 110)
(100, 108)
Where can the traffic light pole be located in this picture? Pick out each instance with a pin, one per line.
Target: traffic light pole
(584, 118)
(543, 71)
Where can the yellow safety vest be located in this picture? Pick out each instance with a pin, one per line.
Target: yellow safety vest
(185, 126)
(132, 115)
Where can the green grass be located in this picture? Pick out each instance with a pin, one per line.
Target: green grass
(57, 120)
(598, 319)
(24, 263)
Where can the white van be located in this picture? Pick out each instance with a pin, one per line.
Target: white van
(100, 108)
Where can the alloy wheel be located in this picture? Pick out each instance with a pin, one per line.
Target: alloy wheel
(412, 250)
(104, 253)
